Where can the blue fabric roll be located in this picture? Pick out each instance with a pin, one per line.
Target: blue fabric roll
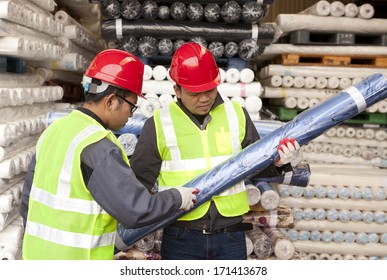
(255, 158)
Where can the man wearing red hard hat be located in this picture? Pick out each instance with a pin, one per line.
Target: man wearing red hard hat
(189, 137)
(80, 183)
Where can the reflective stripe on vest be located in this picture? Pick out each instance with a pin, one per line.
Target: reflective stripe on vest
(187, 168)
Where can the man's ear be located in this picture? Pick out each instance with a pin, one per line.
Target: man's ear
(108, 101)
(177, 91)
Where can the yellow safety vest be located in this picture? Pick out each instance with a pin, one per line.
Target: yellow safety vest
(187, 151)
(64, 221)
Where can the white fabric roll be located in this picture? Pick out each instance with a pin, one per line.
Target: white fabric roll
(344, 83)
(253, 194)
(350, 132)
(360, 133)
(321, 82)
(337, 9)
(373, 108)
(222, 75)
(333, 83)
(302, 103)
(149, 105)
(313, 102)
(321, 8)
(159, 73)
(6, 204)
(382, 106)
(253, 104)
(273, 81)
(148, 72)
(7, 169)
(366, 11)
(369, 133)
(351, 10)
(247, 75)
(331, 132)
(380, 135)
(287, 102)
(340, 131)
(239, 100)
(169, 76)
(165, 99)
(287, 81)
(271, 92)
(240, 89)
(310, 82)
(232, 75)
(299, 82)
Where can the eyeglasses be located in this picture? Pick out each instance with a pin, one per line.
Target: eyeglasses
(133, 106)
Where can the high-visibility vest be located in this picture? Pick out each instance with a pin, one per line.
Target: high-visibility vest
(64, 221)
(187, 151)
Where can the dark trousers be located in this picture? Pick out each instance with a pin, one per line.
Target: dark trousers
(186, 244)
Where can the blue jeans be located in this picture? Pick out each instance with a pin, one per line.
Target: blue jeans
(185, 244)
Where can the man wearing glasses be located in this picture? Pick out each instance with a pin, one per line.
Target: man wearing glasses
(80, 182)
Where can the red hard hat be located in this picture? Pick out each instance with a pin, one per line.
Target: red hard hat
(194, 68)
(118, 68)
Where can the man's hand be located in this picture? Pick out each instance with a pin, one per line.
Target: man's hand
(288, 149)
(188, 197)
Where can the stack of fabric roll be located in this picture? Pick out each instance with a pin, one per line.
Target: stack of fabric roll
(149, 28)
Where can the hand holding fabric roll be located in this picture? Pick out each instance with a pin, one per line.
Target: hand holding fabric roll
(288, 149)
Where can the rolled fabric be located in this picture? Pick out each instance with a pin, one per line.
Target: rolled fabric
(299, 82)
(216, 48)
(177, 29)
(287, 81)
(337, 9)
(240, 100)
(247, 75)
(366, 11)
(351, 10)
(321, 82)
(249, 245)
(253, 194)
(283, 247)
(147, 243)
(128, 141)
(232, 75)
(269, 196)
(310, 82)
(159, 73)
(263, 247)
(256, 157)
(273, 81)
(321, 8)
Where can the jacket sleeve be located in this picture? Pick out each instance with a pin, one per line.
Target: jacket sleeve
(251, 136)
(145, 160)
(27, 189)
(115, 188)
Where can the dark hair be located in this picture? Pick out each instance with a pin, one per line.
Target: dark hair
(97, 97)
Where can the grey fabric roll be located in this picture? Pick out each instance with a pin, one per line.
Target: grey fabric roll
(131, 9)
(231, 12)
(178, 11)
(165, 47)
(148, 46)
(195, 12)
(110, 9)
(212, 12)
(164, 12)
(150, 10)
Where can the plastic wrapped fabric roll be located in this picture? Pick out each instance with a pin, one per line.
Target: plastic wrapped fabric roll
(111, 9)
(148, 73)
(253, 104)
(337, 9)
(262, 244)
(239, 99)
(310, 82)
(222, 75)
(299, 176)
(253, 194)
(177, 44)
(165, 46)
(131, 9)
(195, 11)
(148, 106)
(302, 103)
(230, 49)
(231, 12)
(321, 82)
(351, 10)
(165, 99)
(232, 76)
(283, 247)
(298, 82)
(147, 243)
(287, 81)
(178, 29)
(129, 44)
(134, 125)
(178, 10)
(200, 40)
(249, 49)
(249, 245)
(256, 157)
(149, 9)
(321, 8)
(366, 11)
(212, 12)
(128, 141)
(269, 196)
(216, 48)
(252, 12)
(148, 46)
(164, 12)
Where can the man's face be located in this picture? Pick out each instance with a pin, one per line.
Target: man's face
(198, 103)
(122, 111)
